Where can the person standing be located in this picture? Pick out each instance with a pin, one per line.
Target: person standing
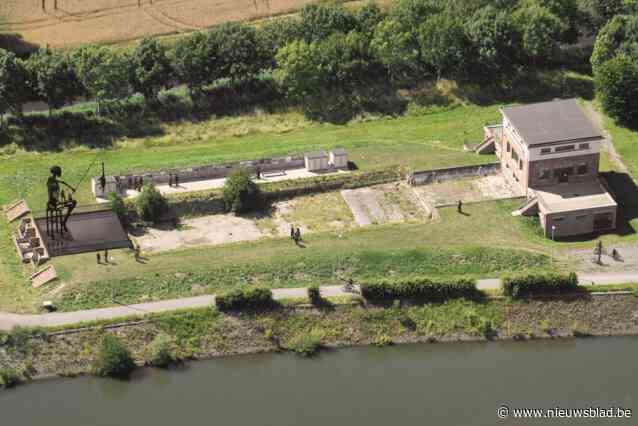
(459, 207)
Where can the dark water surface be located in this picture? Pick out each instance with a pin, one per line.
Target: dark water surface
(435, 384)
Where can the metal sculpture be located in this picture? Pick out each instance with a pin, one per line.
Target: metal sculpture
(57, 203)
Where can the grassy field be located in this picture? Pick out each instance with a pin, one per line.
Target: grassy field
(76, 22)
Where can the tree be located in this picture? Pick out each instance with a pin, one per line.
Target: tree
(113, 358)
(196, 60)
(568, 12)
(13, 84)
(319, 21)
(240, 193)
(541, 30)
(617, 88)
(367, 18)
(118, 207)
(413, 13)
(443, 44)
(495, 40)
(396, 48)
(599, 12)
(620, 35)
(150, 69)
(103, 71)
(53, 78)
(151, 204)
(241, 55)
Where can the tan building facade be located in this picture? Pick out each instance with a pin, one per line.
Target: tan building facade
(551, 151)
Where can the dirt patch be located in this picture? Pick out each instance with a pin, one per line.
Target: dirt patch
(207, 230)
(79, 21)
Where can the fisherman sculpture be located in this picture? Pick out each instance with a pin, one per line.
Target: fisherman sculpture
(58, 201)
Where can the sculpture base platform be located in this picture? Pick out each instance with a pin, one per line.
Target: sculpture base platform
(89, 231)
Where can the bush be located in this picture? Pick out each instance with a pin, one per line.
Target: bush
(151, 204)
(307, 344)
(9, 377)
(241, 194)
(119, 208)
(314, 294)
(113, 358)
(251, 299)
(162, 354)
(420, 288)
(523, 285)
(617, 88)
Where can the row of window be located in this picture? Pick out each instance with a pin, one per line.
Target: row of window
(582, 169)
(564, 148)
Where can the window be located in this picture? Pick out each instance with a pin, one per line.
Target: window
(520, 164)
(583, 146)
(543, 174)
(564, 148)
(508, 147)
(514, 155)
(582, 169)
(546, 150)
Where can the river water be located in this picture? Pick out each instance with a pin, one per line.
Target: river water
(435, 384)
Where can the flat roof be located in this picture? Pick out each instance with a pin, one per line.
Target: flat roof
(317, 154)
(553, 121)
(88, 232)
(574, 196)
(338, 151)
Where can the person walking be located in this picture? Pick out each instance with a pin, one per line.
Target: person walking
(292, 233)
(459, 207)
(97, 257)
(106, 256)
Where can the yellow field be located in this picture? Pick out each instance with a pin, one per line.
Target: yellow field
(76, 22)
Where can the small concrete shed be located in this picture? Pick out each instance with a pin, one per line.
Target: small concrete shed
(339, 158)
(317, 161)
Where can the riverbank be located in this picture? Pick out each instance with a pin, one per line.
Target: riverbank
(205, 333)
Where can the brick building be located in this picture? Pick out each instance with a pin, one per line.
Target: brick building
(551, 151)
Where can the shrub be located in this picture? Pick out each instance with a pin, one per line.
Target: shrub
(617, 88)
(9, 377)
(119, 208)
(307, 344)
(250, 299)
(383, 340)
(523, 285)
(240, 194)
(419, 288)
(162, 354)
(314, 294)
(151, 204)
(113, 358)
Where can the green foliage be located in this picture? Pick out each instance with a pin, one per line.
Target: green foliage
(383, 340)
(151, 69)
(314, 294)
(524, 285)
(52, 78)
(443, 44)
(118, 206)
(420, 288)
(396, 47)
(241, 55)
(151, 204)
(9, 377)
(307, 343)
(617, 89)
(319, 21)
(161, 351)
(540, 30)
(113, 358)
(250, 299)
(103, 71)
(13, 83)
(618, 36)
(241, 194)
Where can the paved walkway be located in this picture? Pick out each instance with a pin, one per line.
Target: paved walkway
(8, 321)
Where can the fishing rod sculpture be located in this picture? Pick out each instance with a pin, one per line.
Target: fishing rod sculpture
(58, 202)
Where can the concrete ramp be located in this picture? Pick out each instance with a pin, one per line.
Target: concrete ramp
(530, 208)
(364, 205)
(44, 276)
(487, 147)
(16, 210)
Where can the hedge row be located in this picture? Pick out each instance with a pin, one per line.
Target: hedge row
(249, 299)
(421, 288)
(523, 285)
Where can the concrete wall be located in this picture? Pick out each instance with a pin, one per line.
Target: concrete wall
(214, 171)
(441, 175)
(536, 169)
(578, 222)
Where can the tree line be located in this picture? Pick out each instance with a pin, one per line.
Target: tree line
(331, 52)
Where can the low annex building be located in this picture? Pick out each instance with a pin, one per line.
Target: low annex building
(551, 151)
